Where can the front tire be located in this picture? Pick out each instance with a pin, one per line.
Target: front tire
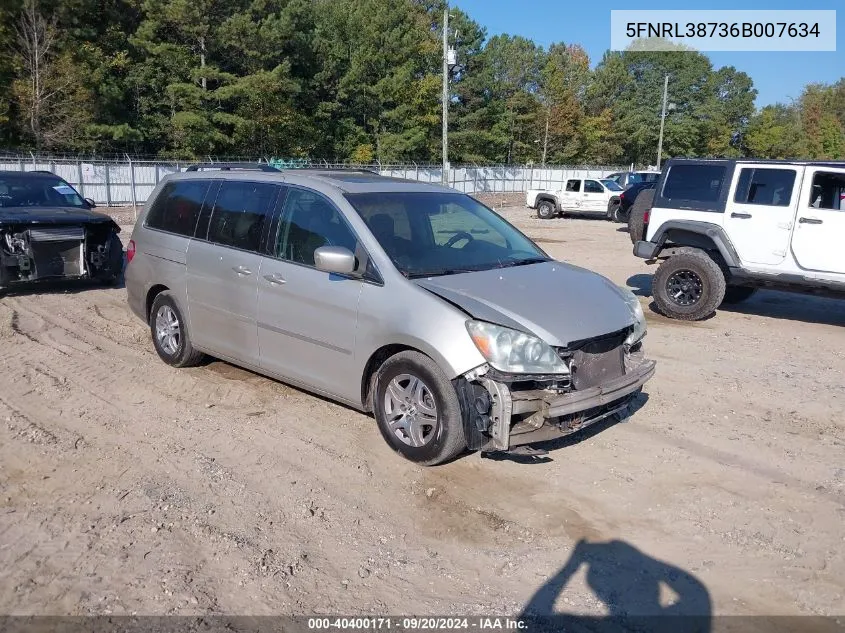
(417, 409)
(170, 333)
(116, 261)
(688, 286)
(545, 210)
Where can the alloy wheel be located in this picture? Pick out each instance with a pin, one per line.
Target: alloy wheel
(410, 410)
(684, 288)
(168, 330)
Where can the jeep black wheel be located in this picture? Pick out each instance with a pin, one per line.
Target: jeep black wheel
(738, 294)
(636, 215)
(688, 286)
(545, 210)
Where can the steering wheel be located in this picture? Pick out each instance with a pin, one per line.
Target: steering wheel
(460, 235)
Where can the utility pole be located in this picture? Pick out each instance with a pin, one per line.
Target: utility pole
(445, 175)
(546, 138)
(662, 121)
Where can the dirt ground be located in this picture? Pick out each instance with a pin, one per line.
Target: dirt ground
(130, 487)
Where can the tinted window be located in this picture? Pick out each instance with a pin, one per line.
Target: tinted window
(828, 191)
(22, 190)
(591, 186)
(241, 212)
(450, 233)
(177, 207)
(612, 185)
(308, 222)
(573, 185)
(700, 183)
(772, 187)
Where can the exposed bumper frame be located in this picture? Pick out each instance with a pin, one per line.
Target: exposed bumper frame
(601, 395)
(553, 415)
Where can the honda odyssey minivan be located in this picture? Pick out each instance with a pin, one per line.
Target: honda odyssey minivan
(408, 300)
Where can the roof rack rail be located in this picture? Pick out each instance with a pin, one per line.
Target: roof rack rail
(231, 166)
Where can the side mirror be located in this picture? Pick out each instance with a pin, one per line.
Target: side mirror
(334, 259)
(90, 202)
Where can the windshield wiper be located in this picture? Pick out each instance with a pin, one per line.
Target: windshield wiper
(523, 262)
(440, 273)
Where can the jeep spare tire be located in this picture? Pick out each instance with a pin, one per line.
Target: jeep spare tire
(636, 215)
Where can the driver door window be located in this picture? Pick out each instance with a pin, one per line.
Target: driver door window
(308, 222)
(591, 186)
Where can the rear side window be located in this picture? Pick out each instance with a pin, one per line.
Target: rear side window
(177, 207)
(241, 213)
(699, 183)
(573, 185)
(828, 191)
(771, 187)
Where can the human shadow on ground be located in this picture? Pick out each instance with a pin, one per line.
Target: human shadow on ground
(640, 593)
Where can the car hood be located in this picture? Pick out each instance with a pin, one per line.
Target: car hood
(557, 302)
(50, 215)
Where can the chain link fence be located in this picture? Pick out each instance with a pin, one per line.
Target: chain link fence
(128, 181)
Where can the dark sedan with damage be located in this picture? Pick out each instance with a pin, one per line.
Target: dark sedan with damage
(49, 232)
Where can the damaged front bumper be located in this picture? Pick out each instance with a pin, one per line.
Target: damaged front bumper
(524, 411)
(33, 253)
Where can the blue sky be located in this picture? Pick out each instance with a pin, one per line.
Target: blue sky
(777, 76)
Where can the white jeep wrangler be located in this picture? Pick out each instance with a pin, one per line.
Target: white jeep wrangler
(579, 195)
(723, 228)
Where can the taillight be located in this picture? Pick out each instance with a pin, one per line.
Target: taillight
(646, 216)
(130, 251)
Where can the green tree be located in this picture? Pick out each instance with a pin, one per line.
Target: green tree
(775, 132)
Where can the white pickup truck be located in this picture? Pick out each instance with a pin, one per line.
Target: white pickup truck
(579, 195)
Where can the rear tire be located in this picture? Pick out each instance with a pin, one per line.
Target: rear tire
(417, 409)
(545, 210)
(688, 286)
(613, 211)
(636, 215)
(170, 333)
(738, 294)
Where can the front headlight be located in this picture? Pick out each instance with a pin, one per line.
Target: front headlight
(639, 317)
(514, 352)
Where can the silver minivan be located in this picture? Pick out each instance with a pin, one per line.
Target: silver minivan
(408, 300)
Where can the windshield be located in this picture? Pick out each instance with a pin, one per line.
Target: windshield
(427, 234)
(644, 176)
(22, 190)
(612, 185)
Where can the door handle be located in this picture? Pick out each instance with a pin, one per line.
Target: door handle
(242, 270)
(809, 221)
(276, 279)
(743, 216)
